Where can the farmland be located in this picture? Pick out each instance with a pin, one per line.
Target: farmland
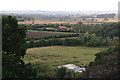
(59, 55)
(40, 34)
(71, 21)
(30, 22)
(46, 59)
(47, 46)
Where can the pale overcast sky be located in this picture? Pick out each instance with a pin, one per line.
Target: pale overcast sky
(59, 5)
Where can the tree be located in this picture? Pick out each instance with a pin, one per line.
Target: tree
(13, 37)
(13, 49)
(105, 65)
(31, 44)
(44, 27)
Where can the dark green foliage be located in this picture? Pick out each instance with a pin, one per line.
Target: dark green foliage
(13, 49)
(106, 64)
(31, 44)
(14, 67)
(43, 27)
(65, 73)
(105, 34)
(13, 36)
(54, 36)
(85, 39)
(61, 72)
(104, 30)
(108, 29)
(83, 28)
(72, 42)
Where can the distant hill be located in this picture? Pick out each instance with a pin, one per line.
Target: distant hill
(54, 12)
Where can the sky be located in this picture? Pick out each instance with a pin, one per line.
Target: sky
(59, 5)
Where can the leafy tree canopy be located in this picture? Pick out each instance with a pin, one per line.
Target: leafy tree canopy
(13, 49)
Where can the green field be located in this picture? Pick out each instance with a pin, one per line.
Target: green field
(52, 32)
(59, 55)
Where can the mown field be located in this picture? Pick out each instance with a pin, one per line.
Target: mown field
(59, 55)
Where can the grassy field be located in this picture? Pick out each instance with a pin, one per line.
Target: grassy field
(59, 55)
(51, 32)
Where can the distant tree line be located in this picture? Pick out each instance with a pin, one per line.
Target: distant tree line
(30, 26)
(104, 30)
(106, 16)
(86, 39)
(43, 27)
(105, 34)
(54, 36)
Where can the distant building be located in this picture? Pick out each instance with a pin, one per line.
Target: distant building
(73, 67)
(64, 28)
(69, 29)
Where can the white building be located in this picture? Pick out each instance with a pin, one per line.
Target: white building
(73, 67)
